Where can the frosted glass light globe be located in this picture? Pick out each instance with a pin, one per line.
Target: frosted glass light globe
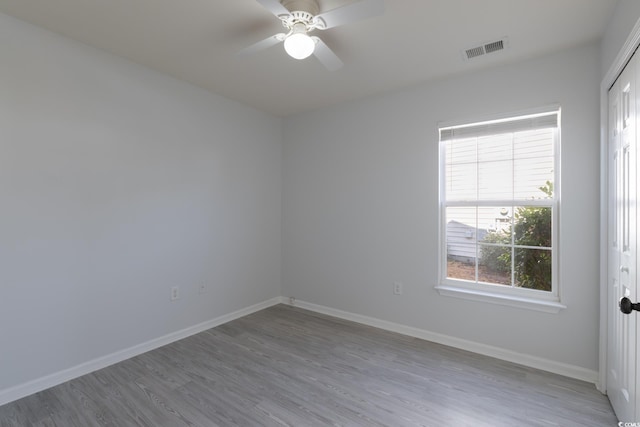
(299, 45)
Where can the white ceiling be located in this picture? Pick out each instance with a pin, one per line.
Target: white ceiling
(414, 41)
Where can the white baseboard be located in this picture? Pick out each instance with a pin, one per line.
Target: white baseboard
(559, 368)
(34, 386)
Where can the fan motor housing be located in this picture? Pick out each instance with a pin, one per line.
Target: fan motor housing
(309, 6)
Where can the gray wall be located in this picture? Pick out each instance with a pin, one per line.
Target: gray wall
(624, 18)
(118, 183)
(361, 206)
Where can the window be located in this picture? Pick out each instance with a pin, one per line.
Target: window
(499, 201)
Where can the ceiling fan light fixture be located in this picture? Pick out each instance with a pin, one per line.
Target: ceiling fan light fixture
(299, 45)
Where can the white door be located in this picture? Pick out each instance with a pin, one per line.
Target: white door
(622, 263)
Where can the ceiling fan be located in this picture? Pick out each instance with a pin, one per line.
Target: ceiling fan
(300, 17)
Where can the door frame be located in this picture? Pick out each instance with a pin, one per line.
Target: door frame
(632, 43)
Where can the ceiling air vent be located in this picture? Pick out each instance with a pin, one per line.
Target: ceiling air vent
(485, 49)
(474, 51)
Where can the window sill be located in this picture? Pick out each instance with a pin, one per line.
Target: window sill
(501, 299)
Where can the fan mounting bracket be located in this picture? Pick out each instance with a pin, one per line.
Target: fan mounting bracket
(302, 12)
(309, 6)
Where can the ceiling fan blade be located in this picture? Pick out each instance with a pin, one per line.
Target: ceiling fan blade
(352, 12)
(262, 45)
(274, 7)
(326, 55)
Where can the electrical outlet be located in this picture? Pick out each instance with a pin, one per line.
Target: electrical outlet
(202, 288)
(175, 293)
(397, 288)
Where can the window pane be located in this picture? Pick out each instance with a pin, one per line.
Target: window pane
(461, 225)
(461, 151)
(494, 265)
(532, 226)
(533, 143)
(495, 180)
(533, 268)
(492, 219)
(533, 163)
(461, 181)
(531, 174)
(461, 243)
(495, 147)
(460, 270)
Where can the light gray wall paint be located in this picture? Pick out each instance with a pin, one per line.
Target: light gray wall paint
(361, 206)
(117, 183)
(625, 16)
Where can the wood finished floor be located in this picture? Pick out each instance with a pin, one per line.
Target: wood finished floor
(288, 366)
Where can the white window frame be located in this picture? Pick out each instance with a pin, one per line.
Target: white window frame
(546, 301)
